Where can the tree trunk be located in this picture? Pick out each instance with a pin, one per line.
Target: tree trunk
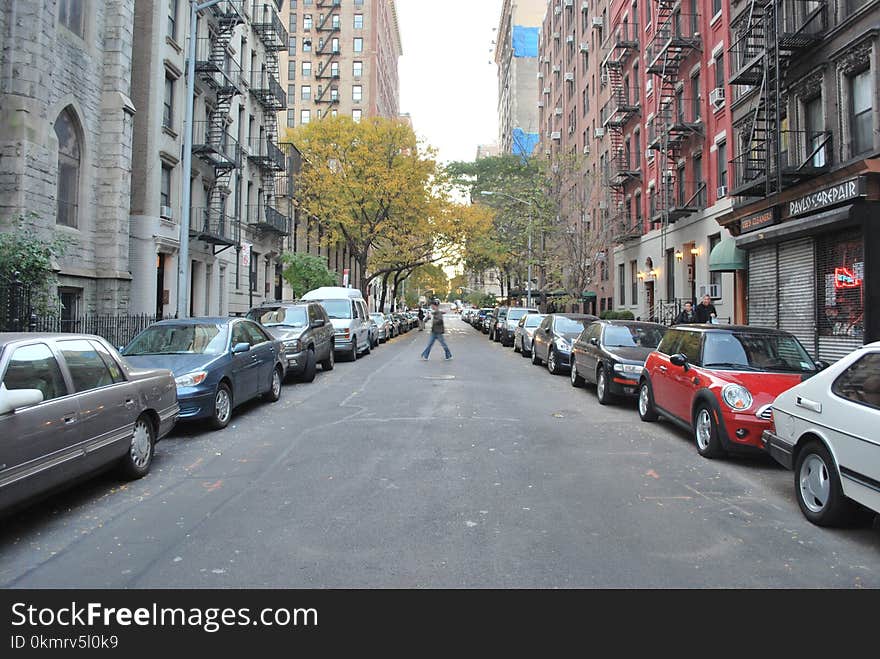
(394, 289)
(384, 292)
(361, 261)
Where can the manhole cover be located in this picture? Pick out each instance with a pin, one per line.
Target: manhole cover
(438, 377)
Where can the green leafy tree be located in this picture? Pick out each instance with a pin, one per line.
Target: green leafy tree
(29, 258)
(305, 272)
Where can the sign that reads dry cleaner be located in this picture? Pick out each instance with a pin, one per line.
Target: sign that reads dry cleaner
(758, 220)
(835, 194)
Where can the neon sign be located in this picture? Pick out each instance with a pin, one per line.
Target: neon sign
(844, 278)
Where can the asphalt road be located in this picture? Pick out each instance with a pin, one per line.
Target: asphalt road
(483, 471)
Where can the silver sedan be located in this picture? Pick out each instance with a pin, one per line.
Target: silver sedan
(525, 333)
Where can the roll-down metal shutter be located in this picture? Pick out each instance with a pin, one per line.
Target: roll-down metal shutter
(797, 291)
(763, 301)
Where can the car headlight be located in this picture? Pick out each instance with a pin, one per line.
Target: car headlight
(737, 397)
(562, 343)
(191, 379)
(293, 345)
(629, 369)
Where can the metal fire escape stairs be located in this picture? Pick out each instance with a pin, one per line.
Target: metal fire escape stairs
(327, 28)
(773, 34)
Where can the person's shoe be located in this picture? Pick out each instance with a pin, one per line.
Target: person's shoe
(423, 358)
(448, 358)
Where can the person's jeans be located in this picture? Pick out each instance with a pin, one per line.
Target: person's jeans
(436, 337)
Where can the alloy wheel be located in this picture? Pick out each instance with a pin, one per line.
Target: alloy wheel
(704, 429)
(222, 404)
(140, 444)
(815, 483)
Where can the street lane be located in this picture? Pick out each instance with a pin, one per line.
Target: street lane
(483, 471)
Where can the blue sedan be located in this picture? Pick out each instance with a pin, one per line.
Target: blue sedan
(218, 363)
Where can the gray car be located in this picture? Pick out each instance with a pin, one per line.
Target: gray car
(525, 332)
(69, 406)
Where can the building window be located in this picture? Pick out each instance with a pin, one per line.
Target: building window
(356, 115)
(292, 25)
(291, 69)
(719, 69)
(307, 22)
(634, 281)
(168, 110)
(291, 45)
(815, 123)
(621, 282)
(358, 45)
(334, 69)
(305, 116)
(70, 15)
(357, 68)
(861, 113)
(291, 118)
(254, 270)
(334, 94)
(722, 168)
(307, 45)
(695, 97)
(165, 189)
(358, 21)
(714, 277)
(306, 69)
(698, 181)
(291, 94)
(334, 21)
(172, 19)
(357, 93)
(305, 92)
(716, 7)
(334, 45)
(67, 193)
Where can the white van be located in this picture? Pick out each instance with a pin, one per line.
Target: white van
(348, 313)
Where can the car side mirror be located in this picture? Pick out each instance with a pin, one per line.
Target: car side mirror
(594, 341)
(822, 364)
(11, 400)
(239, 348)
(317, 323)
(679, 360)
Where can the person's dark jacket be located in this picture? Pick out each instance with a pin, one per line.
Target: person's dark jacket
(421, 314)
(685, 318)
(705, 313)
(437, 322)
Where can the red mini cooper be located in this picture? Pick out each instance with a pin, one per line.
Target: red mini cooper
(720, 381)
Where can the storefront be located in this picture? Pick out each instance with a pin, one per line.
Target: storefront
(810, 267)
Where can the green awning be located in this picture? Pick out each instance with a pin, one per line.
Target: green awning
(727, 257)
(588, 295)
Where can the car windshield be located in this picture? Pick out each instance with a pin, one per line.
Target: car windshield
(379, 318)
(566, 325)
(758, 351)
(533, 320)
(632, 336)
(184, 339)
(337, 308)
(516, 314)
(280, 316)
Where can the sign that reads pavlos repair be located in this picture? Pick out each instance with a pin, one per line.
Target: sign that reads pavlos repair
(835, 194)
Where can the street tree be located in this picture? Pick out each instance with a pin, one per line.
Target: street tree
(305, 272)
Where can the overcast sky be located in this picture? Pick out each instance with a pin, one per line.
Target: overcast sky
(448, 80)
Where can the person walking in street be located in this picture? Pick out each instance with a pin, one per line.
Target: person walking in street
(706, 311)
(437, 331)
(687, 316)
(421, 318)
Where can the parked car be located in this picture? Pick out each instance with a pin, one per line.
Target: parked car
(499, 318)
(402, 323)
(525, 330)
(394, 324)
(70, 406)
(552, 340)
(218, 363)
(383, 326)
(305, 332)
(826, 430)
(719, 382)
(611, 354)
(508, 328)
(347, 310)
(488, 321)
(480, 318)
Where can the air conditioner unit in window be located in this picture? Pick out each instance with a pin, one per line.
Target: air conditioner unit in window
(569, 76)
(722, 191)
(570, 130)
(584, 46)
(557, 10)
(555, 135)
(556, 35)
(586, 149)
(540, 75)
(546, 91)
(716, 97)
(166, 212)
(556, 68)
(597, 21)
(603, 205)
(649, 154)
(568, 3)
(540, 104)
(712, 290)
(569, 38)
(599, 132)
(558, 111)
(585, 5)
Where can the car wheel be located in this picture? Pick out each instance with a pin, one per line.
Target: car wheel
(369, 347)
(522, 349)
(136, 462)
(274, 392)
(706, 433)
(553, 362)
(222, 407)
(818, 490)
(535, 359)
(516, 347)
(308, 372)
(602, 392)
(330, 362)
(353, 355)
(647, 412)
(576, 380)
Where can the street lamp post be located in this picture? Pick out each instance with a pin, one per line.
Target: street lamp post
(492, 193)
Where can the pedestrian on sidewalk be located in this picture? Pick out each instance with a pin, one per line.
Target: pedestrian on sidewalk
(705, 311)
(437, 331)
(421, 318)
(687, 316)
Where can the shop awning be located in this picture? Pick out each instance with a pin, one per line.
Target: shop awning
(588, 295)
(727, 257)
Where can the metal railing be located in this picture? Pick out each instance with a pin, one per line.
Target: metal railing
(621, 106)
(677, 33)
(212, 226)
(215, 146)
(215, 67)
(265, 153)
(267, 90)
(267, 217)
(268, 26)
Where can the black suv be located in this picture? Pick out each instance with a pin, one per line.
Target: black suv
(306, 332)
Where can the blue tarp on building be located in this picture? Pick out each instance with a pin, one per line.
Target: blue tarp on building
(525, 41)
(524, 143)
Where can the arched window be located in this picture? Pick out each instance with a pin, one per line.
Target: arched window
(66, 130)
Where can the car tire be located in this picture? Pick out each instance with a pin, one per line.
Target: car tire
(602, 393)
(647, 411)
(818, 489)
(274, 392)
(308, 374)
(330, 362)
(222, 407)
(516, 348)
(535, 359)
(137, 460)
(353, 354)
(576, 380)
(522, 349)
(553, 362)
(369, 347)
(706, 433)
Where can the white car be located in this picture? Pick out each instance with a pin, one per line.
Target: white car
(826, 429)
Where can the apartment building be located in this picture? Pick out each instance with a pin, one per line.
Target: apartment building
(66, 122)
(807, 174)
(570, 99)
(342, 57)
(516, 54)
(669, 119)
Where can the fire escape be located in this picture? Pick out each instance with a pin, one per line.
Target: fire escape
(677, 118)
(771, 156)
(622, 107)
(328, 57)
(221, 75)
